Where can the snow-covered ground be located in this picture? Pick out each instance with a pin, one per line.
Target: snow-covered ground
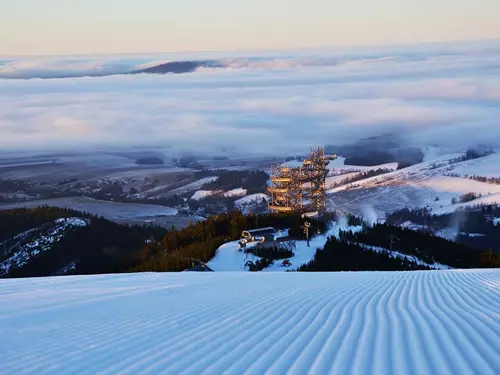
(251, 198)
(235, 193)
(140, 172)
(430, 322)
(107, 209)
(489, 166)
(193, 186)
(31, 243)
(331, 181)
(229, 258)
(422, 185)
(413, 226)
(202, 194)
(449, 233)
(338, 166)
(239, 192)
(411, 258)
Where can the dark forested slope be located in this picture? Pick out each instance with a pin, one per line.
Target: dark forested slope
(51, 241)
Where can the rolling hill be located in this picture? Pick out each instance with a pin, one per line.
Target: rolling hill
(433, 184)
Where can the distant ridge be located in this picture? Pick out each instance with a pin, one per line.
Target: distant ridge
(173, 67)
(179, 67)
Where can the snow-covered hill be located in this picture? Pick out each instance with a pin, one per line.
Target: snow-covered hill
(338, 166)
(193, 186)
(22, 248)
(239, 192)
(436, 322)
(432, 184)
(202, 194)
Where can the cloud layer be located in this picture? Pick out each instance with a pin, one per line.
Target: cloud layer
(262, 104)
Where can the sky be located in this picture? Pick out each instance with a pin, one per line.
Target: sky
(69, 27)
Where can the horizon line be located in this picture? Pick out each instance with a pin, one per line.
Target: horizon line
(253, 50)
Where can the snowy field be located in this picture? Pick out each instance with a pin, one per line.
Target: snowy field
(338, 166)
(239, 192)
(202, 194)
(251, 199)
(427, 184)
(431, 322)
(193, 186)
(80, 166)
(109, 210)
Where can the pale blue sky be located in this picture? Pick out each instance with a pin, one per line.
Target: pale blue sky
(125, 26)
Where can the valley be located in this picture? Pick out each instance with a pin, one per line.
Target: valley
(183, 197)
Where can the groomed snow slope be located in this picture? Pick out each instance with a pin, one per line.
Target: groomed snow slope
(434, 322)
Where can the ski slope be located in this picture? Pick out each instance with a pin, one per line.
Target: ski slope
(229, 258)
(487, 166)
(430, 322)
(431, 184)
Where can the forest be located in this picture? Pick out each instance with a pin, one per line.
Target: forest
(425, 246)
(362, 176)
(100, 247)
(106, 247)
(351, 252)
(13, 222)
(487, 180)
(474, 226)
(177, 250)
(472, 154)
(341, 255)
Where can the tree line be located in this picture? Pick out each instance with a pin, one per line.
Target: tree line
(107, 247)
(178, 249)
(425, 246)
(487, 180)
(474, 226)
(362, 176)
(342, 255)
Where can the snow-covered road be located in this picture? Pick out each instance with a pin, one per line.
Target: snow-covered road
(433, 322)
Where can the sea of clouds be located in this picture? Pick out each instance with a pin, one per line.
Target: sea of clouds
(256, 102)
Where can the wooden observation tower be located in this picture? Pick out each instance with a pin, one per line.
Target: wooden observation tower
(301, 189)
